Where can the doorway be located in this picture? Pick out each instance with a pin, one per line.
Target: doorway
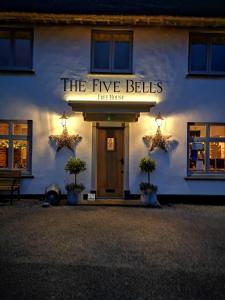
(110, 162)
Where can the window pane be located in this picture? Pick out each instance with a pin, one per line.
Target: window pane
(218, 58)
(102, 36)
(19, 129)
(121, 37)
(197, 156)
(4, 146)
(5, 34)
(19, 154)
(22, 52)
(217, 156)
(198, 57)
(4, 128)
(122, 55)
(101, 55)
(5, 53)
(197, 131)
(217, 131)
(23, 35)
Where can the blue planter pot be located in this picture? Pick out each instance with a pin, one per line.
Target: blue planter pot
(149, 198)
(73, 197)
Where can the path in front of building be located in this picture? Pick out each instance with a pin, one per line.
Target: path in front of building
(90, 252)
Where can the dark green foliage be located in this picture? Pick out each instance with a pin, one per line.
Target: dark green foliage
(147, 165)
(72, 187)
(145, 186)
(75, 166)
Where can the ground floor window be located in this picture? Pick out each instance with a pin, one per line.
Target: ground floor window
(206, 148)
(16, 145)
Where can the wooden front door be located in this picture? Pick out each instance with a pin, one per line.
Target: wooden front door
(110, 162)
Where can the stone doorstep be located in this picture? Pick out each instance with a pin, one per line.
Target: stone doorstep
(112, 202)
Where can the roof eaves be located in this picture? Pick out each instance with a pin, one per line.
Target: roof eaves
(114, 20)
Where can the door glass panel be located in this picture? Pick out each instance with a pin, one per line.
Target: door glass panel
(217, 156)
(4, 128)
(20, 154)
(4, 148)
(197, 156)
(20, 129)
(217, 131)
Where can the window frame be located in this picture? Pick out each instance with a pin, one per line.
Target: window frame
(207, 140)
(111, 69)
(11, 137)
(12, 66)
(208, 39)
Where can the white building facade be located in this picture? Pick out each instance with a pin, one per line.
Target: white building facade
(112, 77)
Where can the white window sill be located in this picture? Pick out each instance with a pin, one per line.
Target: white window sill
(111, 75)
(205, 177)
(17, 71)
(204, 75)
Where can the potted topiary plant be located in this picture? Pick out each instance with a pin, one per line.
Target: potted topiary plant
(148, 190)
(74, 166)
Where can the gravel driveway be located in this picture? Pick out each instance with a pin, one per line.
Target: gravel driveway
(89, 252)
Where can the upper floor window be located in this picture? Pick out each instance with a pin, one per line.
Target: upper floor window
(207, 53)
(15, 49)
(16, 145)
(206, 148)
(111, 52)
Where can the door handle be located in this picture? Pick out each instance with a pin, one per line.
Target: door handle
(122, 161)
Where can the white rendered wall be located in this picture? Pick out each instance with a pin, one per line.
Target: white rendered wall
(39, 97)
(158, 54)
(165, 57)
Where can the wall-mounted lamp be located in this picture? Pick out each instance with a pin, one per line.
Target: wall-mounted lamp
(63, 119)
(64, 139)
(157, 140)
(159, 120)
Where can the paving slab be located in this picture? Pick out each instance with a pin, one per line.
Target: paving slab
(107, 252)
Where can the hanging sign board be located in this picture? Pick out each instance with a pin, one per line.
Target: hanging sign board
(110, 89)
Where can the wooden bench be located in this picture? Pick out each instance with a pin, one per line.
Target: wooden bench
(10, 182)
